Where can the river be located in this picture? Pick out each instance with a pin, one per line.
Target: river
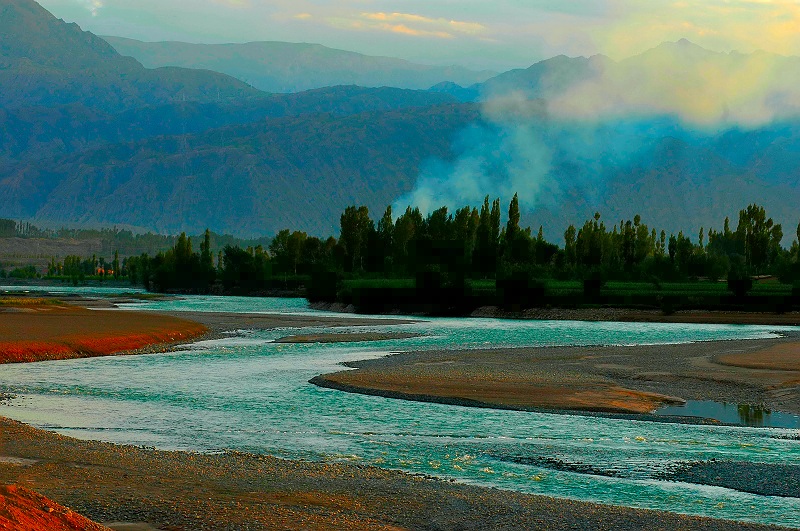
(246, 393)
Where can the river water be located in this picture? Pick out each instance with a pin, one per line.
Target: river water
(246, 393)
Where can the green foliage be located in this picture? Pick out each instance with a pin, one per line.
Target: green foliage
(468, 259)
(27, 272)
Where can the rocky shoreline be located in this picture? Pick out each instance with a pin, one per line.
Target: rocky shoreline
(236, 491)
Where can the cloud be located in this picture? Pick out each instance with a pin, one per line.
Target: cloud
(234, 3)
(444, 25)
(93, 6)
(746, 25)
(598, 116)
(303, 16)
(701, 88)
(410, 24)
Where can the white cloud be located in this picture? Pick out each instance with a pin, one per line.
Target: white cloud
(93, 6)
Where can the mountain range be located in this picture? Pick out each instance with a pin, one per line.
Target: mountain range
(44, 61)
(89, 135)
(294, 67)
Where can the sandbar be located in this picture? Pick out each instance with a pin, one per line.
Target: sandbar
(627, 380)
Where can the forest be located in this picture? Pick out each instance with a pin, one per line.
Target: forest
(452, 261)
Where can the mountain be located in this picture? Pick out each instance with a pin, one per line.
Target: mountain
(545, 79)
(291, 67)
(39, 132)
(87, 135)
(678, 184)
(44, 61)
(293, 172)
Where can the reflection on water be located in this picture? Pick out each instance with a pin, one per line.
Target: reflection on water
(744, 414)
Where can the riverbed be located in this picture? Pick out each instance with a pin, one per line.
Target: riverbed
(244, 392)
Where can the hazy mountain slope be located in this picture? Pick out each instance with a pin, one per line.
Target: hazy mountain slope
(38, 132)
(291, 67)
(544, 79)
(297, 172)
(45, 61)
(680, 185)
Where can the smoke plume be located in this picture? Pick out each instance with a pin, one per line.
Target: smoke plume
(557, 133)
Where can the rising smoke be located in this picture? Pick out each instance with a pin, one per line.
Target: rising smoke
(602, 122)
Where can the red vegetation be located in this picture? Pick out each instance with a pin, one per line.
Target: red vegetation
(60, 332)
(24, 510)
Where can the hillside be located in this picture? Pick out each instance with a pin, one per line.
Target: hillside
(39, 132)
(544, 79)
(44, 61)
(674, 184)
(251, 179)
(295, 67)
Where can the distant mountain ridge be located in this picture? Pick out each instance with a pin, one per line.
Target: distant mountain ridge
(295, 67)
(44, 61)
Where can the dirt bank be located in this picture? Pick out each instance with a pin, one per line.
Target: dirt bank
(24, 510)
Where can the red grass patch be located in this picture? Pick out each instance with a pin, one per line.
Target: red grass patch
(24, 510)
(68, 332)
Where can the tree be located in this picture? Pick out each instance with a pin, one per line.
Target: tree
(512, 227)
(759, 237)
(570, 236)
(115, 265)
(386, 237)
(355, 230)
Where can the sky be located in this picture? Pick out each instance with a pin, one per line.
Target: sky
(487, 34)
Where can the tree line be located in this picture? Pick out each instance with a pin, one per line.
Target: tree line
(473, 243)
(113, 239)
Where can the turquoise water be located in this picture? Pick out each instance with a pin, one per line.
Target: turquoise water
(246, 393)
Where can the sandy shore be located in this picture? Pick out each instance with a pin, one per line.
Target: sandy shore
(178, 490)
(623, 315)
(634, 380)
(226, 322)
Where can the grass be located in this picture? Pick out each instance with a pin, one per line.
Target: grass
(669, 296)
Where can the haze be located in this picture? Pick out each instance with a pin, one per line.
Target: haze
(497, 35)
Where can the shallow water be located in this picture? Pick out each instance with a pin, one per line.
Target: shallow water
(745, 414)
(249, 394)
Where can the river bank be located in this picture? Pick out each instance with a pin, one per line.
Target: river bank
(234, 491)
(33, 329)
